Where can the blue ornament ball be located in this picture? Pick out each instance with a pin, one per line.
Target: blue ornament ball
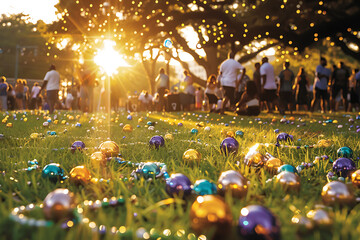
(129, 117)
(194, 131)
(284, 137)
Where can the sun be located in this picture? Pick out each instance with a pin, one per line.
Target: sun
(109, 59)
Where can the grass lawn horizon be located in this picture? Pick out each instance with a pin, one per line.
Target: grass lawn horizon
(148, 208)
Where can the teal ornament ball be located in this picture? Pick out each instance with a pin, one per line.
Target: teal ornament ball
(239, 133)
(345, 152)
(287, 168)
(204, 187)
(149, 170)
(194, 131)
(53, 172)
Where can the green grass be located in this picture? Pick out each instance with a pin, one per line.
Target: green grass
(22, 188)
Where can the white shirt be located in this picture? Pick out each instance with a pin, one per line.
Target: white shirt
(35, 91)
(228, 72)
(145, 100)
(53, 79)
(268, 70)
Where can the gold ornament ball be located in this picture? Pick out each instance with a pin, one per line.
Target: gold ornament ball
(324, 143)
(230, 134)
(200, 124)
(109, 148)
(254, 159)
(232, 181)
(98, 159)
(337, 193)
(211, 215)
(9, 125)
(169, 136)
(34, 135)
(191, 156)
(80, 175)
(273, 164)
(355, 178)
(127, 128)
(289, 181)
(320, 217)
(59, 204)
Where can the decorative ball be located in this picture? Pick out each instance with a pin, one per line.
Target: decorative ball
(345, 152)
(239, 133)
(169, 136)
(194, 131)
(34, 135)
(148, 170)
(59, 205)
(355, 178)
(178, 185)
(304, 225)
(257, 222)
(45, 124)
(157, 141)
(53, 172)
(230, 134)
(287, 168)
(204, 187)
(129, 117)
(211, 215)
(284, 137)
(337, 193)
(233, 182)
(80, 175)
(320, 217)
(344, 167)
(207, 128)
(324, 143)
(2, 136)
(180, 124)
(272, 165)
(229, 146)
(9, 125)
(168, 43)
(289, 181)
(200, 124)
(98, 159)
(109, 148)
(191, 156)
(77, 145)
(127, 128)
(254, 159)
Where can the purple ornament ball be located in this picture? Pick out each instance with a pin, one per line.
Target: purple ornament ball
(178, 185)
(344, 167)
(77, 145)
(229, 146)
(284, 137)
(257, 222)
(157, 141)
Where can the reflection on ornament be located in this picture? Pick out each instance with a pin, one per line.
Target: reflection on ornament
(253, 158)
(272, 165)
(289, 181)
(80, 175)
(319, 217)
(59, 204)
(337, 193)
(211, 215)
(229, 146)
(157, 141)
(355, 178)
(168, 43)
(178, 185)
(204, 187)
(109, 148)
(53, 172)
(77, 145)
(232, 181)
(191, 156)
(98, 159)
(344, 167)
(345, 152)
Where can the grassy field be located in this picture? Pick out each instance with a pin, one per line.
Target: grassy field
(22, 188)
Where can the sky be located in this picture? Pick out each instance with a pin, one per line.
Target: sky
(37, 9)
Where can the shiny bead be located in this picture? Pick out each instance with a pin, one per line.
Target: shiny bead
(355, 178)
(204, 187)
(289, 181)
(344, 167)
(211, 215)
(149, 170)
(53, 172)
(77, 145)
(80, 175)
(98, 159)
(109, 148)
(320, 217)
(229, 146)
(239, 133)
(59, 204)
(324, 143)
(157, 141)
(191, 156)
(194, 131)
(254, 159)
(233, 182)
(127, 128)
(178, 185)
(272, 165)
(337, 193)
(169, 136)
(287, 168)
(345, 152)
(257, 222)
(284, 137)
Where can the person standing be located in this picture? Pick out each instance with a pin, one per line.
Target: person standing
(268, 85)
(11, 97)
(354, 97)
(229, 80)
(4, 87)
(52, 85)
(190, 90)
(87, 83)
(322, 76)
(26, 94)
(300, 87)
(163, 85)
(287, 78)
(19, 94)
(340, 81)
(34, 98)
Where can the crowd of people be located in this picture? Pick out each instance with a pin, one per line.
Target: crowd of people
(231, 89)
